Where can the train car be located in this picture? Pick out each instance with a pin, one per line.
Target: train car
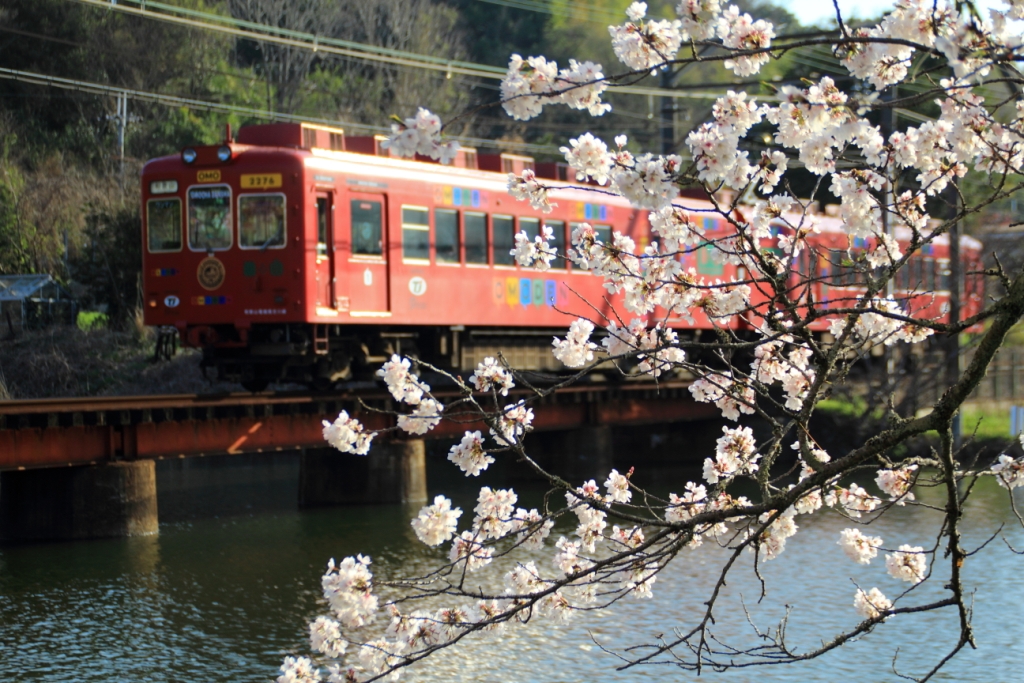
(297, 253)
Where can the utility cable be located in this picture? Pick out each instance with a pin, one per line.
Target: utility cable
(297, 39)
(263, 114)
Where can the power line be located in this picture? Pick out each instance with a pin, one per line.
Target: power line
(261, 32)
(176, 101)
(565, 9)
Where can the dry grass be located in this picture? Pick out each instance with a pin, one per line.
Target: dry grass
(67, 361)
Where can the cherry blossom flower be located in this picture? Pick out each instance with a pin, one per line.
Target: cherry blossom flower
(420, 134)
(513, 422)
(468, 547)
(348, 590)
(348, 435)
(469, 454)
(870, 605)
(298, 670)
(576, 349)
(325, 637)
(858, 547)
(436, 523)
(896, 483)
(908, 564)
(494, 512)
(425, 416)
(1009, 472)
(489, 374)
(618, 487)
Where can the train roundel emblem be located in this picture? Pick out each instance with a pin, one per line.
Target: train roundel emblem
(211, 273)
(418, 286)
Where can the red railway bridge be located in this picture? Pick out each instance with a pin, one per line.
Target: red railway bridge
(84, 467)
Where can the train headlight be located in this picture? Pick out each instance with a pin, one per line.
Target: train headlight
(224, 153)
(188, 155)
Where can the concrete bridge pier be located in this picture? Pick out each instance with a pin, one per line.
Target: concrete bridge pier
(393, 472)
(86, 501)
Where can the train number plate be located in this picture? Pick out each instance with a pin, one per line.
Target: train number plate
(253, 181)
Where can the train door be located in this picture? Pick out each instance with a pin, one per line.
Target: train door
(326, 284)
(368, 254)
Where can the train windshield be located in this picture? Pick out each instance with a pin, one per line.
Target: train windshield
(261, 221)
(163, 224)
(209, 217)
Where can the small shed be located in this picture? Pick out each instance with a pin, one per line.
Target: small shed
(29, 302)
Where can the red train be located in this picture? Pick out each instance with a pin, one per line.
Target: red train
(297, 253)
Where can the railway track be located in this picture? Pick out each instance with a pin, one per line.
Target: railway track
(62, 432)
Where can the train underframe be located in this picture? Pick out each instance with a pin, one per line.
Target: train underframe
(321, 356)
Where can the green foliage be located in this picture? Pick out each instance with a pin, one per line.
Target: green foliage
(110, 265)
(92, 320)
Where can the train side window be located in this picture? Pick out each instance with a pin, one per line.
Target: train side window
(903, 278)
(446, 243)
(209, 217)
(943, 276)
(603, 233)
(531, 226)
(504, 240)
(557, 241)
(321, 226)
(366, 228)
(928, 264)
(163, 225)
(415, 233)
(475, 226)
(261, 221)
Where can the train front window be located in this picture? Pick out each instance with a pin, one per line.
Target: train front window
(475, 225)
(415, 234)
(163, 224)
(446, 224)
(504, 240)
(366, 228)
(209, 217)
(261, 221)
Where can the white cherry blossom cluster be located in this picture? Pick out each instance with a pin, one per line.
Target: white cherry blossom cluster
(853, 499)
(656, 349)
(532, 83)
(513, 423)
(407, 388)
(535, 253)
(772, 540)
(470, 455)
(436, 523)
(348, 588)
(576, 350)
(879, 326)
(872, 604)
(526, 187)
(490, 375)
(907, 564)
(730, 396)
(1009, 472)
(735, 453)
(348, 435)
(896, 483)
(298, 670)
(859, 547)
(421, 134)
(641, 45)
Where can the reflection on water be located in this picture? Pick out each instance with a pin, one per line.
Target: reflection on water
(227, 587)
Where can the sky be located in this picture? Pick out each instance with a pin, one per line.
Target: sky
(810, 11)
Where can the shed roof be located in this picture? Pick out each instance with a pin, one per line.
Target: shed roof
(19, 287)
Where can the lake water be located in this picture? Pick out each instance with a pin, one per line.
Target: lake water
(228, 586)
